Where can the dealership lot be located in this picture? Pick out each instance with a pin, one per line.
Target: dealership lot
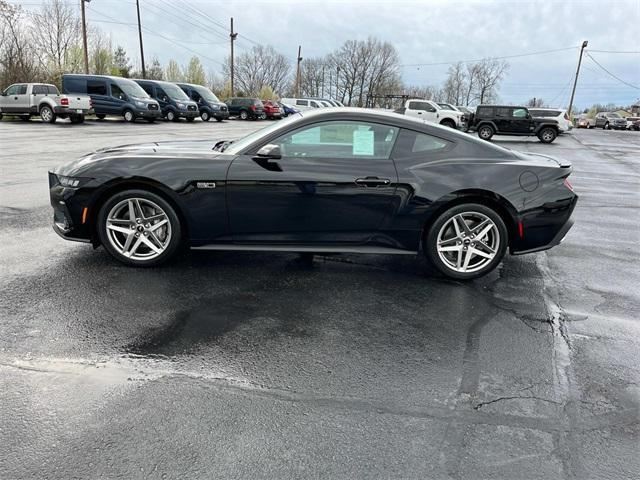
(245, 365)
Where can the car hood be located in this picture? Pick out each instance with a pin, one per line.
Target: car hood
(146, 152)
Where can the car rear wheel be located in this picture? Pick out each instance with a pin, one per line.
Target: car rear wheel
(205, 116)
(47, 114)
(606, 126)
(100, 116)
(547, 135)
(485, 132)
(79, 118)
(244, 115)
(129, 117)
(139, 228)
(466, 241)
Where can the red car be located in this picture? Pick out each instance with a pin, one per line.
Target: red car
(271, 109)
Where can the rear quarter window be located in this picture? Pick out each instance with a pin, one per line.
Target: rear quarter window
(96, 87)
(484, 112)
(75, 85)
(418, 144)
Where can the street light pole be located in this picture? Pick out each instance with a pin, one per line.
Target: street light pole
(84, 37)
(233, 36)
(144, 73)
(299, 59)
(575, 82)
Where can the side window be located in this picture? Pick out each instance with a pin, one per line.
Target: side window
(416, 106)
(195, 96)
(340, 140)
(314, 104)
(484, 112)
(416, 144)
(302, 103)
(161, 95)
(146, 87)
(53, 90)
(96, 87)
(12, 90)
(117, 92)
(503, 112)
(22, 90)
(75, 85)
(519, 112)
(39, 90)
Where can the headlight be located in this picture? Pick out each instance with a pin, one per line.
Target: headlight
(215, 107)
(181, 105)
(140, 104)
(72, 182)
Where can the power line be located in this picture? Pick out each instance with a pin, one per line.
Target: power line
(492, 57)
(612, 51)
(611, 74)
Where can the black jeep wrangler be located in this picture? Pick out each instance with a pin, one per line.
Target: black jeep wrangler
(491, 120)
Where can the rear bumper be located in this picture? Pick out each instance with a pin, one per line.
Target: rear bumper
(544, 227)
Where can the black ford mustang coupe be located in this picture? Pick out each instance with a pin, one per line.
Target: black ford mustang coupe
(329, 181)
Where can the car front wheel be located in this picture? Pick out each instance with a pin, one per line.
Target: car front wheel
(205, 116)
(129, 117)
(243, 115)
(466, 241)
(139, 228)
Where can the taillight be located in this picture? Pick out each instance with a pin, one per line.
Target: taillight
(567, 184)
(64, 102)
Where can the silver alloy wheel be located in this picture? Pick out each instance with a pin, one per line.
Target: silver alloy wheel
(205, 116)
(485, 132)
(128, 116)
(138, 229)
(547, 135)
(243, 115)
(171, 116)
(468, 242)
(46, 114)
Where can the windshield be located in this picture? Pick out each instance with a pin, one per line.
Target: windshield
(613, 115)
(174, 92)
(239, 145)
(132, 88)
(207, 94)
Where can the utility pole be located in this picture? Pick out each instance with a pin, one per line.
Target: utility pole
(84, 38)
(322, 81)
(337, 77)
(144, 73)
(575, 82)
(233, 36)
(298, 71)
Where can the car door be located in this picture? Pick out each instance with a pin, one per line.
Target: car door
(10, 98)
(503, 119)
(334, 183)
(521, 120)
(97, 90)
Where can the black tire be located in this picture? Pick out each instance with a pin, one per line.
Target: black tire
(430, 240)
(485, 132)
(25, 118)
(547, 134)
(448, 123)
(78, 118)
(606, 126)
(100, 116)
(129, 116)
(170, 248)
(244, 115)
(218, 119)
(205, 116)
(190, 119)
(47, 114)
(171, 116)
(0, 116)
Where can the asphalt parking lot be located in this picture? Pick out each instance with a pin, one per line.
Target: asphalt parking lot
(254, 365)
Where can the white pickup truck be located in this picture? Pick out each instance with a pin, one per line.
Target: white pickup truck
(31, 99)
(432, 112)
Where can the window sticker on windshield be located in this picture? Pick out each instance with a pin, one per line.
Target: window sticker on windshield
(362, 142)
(310, 136)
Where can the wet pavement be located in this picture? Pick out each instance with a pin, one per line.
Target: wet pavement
(256, 365)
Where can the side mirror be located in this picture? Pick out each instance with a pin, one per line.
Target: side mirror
(270, 151)
(4, 94)
(528, 115)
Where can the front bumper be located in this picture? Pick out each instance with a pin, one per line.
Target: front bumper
(68, 205)
(146, 113)
(187, 113)
(220, 114)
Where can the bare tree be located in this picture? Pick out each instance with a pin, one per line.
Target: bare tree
(488, 74)
(312, 76)
(173, 72)
(16, 50)
(535, 102)
(455, 86)
(261, 66)
(55, 32)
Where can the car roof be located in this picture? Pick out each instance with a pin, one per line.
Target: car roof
(504, 106)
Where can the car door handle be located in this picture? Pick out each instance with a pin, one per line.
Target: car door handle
(372, 181)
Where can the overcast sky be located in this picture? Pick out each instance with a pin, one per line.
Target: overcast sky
(423, 32)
